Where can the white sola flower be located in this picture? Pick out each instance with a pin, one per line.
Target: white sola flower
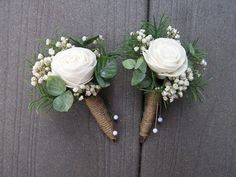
(166, 57)
(75, 66)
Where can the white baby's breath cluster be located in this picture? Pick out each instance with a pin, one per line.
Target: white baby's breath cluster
(40, 69)
(86, 90)
(172, 33)
(42, 66)
(175, 86)
(203, 63)
(143, 40)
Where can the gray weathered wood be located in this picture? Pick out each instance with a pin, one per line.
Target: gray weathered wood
(199, 139)
(71, 144)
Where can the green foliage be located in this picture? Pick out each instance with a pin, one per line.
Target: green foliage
(45, 100)
(105, 70)
(109, 70)
(129, 64)
(196, 88)
(195, 56)
(138, 77)
(80, 43)
(157, 30)
(63, 102)
(55, 85)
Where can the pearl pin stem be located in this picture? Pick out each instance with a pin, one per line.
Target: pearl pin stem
(155, 130)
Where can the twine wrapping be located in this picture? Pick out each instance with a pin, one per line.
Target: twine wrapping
(151, 101)
(100, 113)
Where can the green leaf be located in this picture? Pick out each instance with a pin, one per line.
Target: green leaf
(100, 80)
(143, 67)
(90, 40)
(138, 77)
(139, 62)
(129, 63)
(63, 102)
(145, 83)
(191, 49)
(55, 85)
(109, 70)
(77, 41)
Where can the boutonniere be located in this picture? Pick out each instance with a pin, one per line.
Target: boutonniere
(71, 70)
(164, 67)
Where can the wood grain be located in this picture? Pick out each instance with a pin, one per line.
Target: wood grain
(199, 139)
(71, 144)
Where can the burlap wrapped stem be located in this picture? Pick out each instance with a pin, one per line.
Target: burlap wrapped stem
(99, 111)
(152, 100)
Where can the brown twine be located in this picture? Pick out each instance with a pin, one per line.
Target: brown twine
(100, 113)
(151, 101)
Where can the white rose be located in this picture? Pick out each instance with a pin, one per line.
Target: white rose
(75, 66)
(166, 57)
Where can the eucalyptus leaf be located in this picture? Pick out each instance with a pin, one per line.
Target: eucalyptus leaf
(138, 77)
(129, 63)
(63, 102)
(147, 81)
(143, 67)
(109, 70)
(55, 85)
(100, 80)
(139, 62)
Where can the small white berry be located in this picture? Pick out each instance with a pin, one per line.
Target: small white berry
(167, 88)
(45, 77)
(180, 94)
(144, 40)
(82, 86)
(190, 78)
(165, 98)
(40, 81)
(58, 44)
(84, 38)
(115, 133)
(186, 83)
(63, 38)
(183, 76)
(175, 86)
(101, 37)
(51, 51)
(68, 45)
(88, 93)
(177, 36)
(139, 38)
(34, 83)
(40, 56)
(81, 98)
(131, 33)
(142, 30)
(169, 28)
(155, 130)
(48, 41)
(75, 89)
(143, 48)
(115, 117)
(98, 87)
(136, 48)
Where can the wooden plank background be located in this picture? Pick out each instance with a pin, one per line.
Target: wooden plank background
(197, 140)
